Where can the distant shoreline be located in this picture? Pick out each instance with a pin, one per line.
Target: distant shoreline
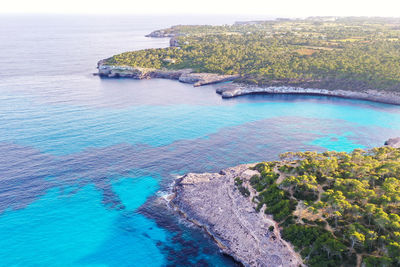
(233, 89)
(351, 89)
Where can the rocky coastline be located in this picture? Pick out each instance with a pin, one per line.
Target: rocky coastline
(211, 201)
(234, 89)
(184, 75)
(393, 142)
(165, 33)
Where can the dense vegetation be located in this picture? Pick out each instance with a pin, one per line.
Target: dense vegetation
(350, 53)
(336, 208)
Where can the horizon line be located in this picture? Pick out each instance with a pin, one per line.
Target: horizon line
(194, 14)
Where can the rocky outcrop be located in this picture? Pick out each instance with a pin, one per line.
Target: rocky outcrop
(184, 75)
(199, 79)
(173, 42)
(233, 90)
(161, 34)
(169, 32)
(212, 201)
(124, 72)
(393, 142)
(111, 71)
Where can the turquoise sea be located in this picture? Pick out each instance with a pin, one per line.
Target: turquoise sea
(85, 162)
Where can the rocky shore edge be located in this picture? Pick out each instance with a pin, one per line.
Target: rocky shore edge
(212, 201)
(234, 89)
(231, 90)
(184, 75)
(393, 142)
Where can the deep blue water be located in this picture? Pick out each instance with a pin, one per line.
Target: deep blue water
(84, 161)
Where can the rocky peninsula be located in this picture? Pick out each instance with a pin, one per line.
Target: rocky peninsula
(345, 57)
(211, 201)
(284, 213)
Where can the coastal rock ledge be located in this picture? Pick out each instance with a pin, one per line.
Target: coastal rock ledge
(235, 89)
(212, 201)
(393, 142)
(183, 75)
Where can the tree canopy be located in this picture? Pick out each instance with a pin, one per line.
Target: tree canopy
(346, 53)
(334, 207)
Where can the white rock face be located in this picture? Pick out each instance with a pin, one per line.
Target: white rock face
(183, 75)
(233, 90)
(199, 79)
(393, 142)
(212, 201)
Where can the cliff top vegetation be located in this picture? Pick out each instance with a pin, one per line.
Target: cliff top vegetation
(332, 53)
(336, 208)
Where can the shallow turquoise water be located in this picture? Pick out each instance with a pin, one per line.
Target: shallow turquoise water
(76, 128)
(58, 229)
(84, 161)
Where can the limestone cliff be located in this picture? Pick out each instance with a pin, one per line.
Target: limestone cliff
(212, 201)
(183, 75)
(393, 142)
(234, 89)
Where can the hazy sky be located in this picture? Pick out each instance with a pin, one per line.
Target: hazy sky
(298, 8)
